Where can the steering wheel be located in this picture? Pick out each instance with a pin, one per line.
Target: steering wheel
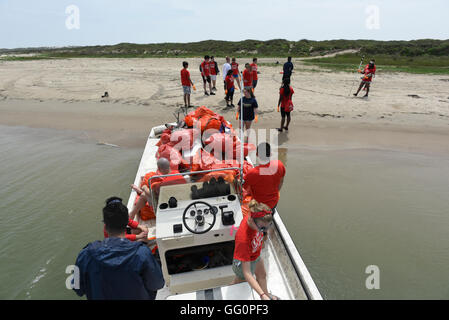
(199, 217)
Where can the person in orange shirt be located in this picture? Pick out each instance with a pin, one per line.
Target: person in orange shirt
(163, 168)
(235, 72)
(186, 83)
(248, 79)
(254, 72)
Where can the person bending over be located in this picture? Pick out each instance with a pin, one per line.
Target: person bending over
(247, 264)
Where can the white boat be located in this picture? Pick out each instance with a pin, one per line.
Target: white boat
(188, 273)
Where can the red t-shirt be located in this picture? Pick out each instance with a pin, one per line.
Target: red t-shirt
(212, 68)
(205, 66)
(264, 181)
(247, 78)
(229, 82)
(254, 70)
(286, 101)
(248, 242)
(235, 67)
(366, 71)
(132, 224)
(185, 77)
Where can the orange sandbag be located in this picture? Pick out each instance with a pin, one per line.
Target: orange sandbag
(171, 154)
(182, 139)
(165, 137)
(147, 212)
(227, 175)
(245, 205)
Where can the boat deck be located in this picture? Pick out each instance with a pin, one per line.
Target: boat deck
(287, 275)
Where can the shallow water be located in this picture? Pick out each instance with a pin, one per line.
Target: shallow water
(355, 208)
(345, 209)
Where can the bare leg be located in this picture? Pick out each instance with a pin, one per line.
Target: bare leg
(288, 121)
(360, 88)
(261, 275)
(144, 196)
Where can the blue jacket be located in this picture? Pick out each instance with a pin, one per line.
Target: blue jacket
(118, 269)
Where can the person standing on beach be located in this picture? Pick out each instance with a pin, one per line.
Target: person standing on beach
(288, 68)
(254, 73)
(225, 69)
(186, 83)
(229, 89)
(368, 74)
(236, 72)
(213, 72)
(205, 73)
(248, 79)
(116, 268)
(249, 109)
(285, 103)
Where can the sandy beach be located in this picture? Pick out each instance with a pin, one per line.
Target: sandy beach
(66, 95)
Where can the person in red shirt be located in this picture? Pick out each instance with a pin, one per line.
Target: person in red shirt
(249, 241)
(205, 73)
(186, 83)
(368, 73)
(235, 72)
(264, 181)
(213, 72)
(248, 79)
(229, 88)
(285, 103)
(254, 72)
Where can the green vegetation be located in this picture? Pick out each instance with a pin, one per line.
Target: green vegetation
(418, 56)
(387, 63)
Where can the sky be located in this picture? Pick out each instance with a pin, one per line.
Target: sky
(54, 23)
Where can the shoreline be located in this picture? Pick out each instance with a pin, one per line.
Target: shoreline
(128, 126)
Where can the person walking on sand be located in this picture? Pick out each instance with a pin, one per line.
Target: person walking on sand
(205, 74)
(285, 103)
(368, 74)
(186, 83)
(247, 263)
(254, 73)
(213, 72)
(236, 72)
(288, 69)
(116, 268)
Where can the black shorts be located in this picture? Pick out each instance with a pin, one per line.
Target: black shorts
(284, 113)
(230, 94)
(206, 79)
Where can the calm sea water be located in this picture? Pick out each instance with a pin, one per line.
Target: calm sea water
(345, 210)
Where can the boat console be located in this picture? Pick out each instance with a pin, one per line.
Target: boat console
(195, 231)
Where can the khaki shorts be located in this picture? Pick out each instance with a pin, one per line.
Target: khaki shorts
(213, 77)
(237, 267)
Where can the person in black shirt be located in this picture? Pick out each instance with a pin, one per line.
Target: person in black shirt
(288, 68)
(249, 109)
